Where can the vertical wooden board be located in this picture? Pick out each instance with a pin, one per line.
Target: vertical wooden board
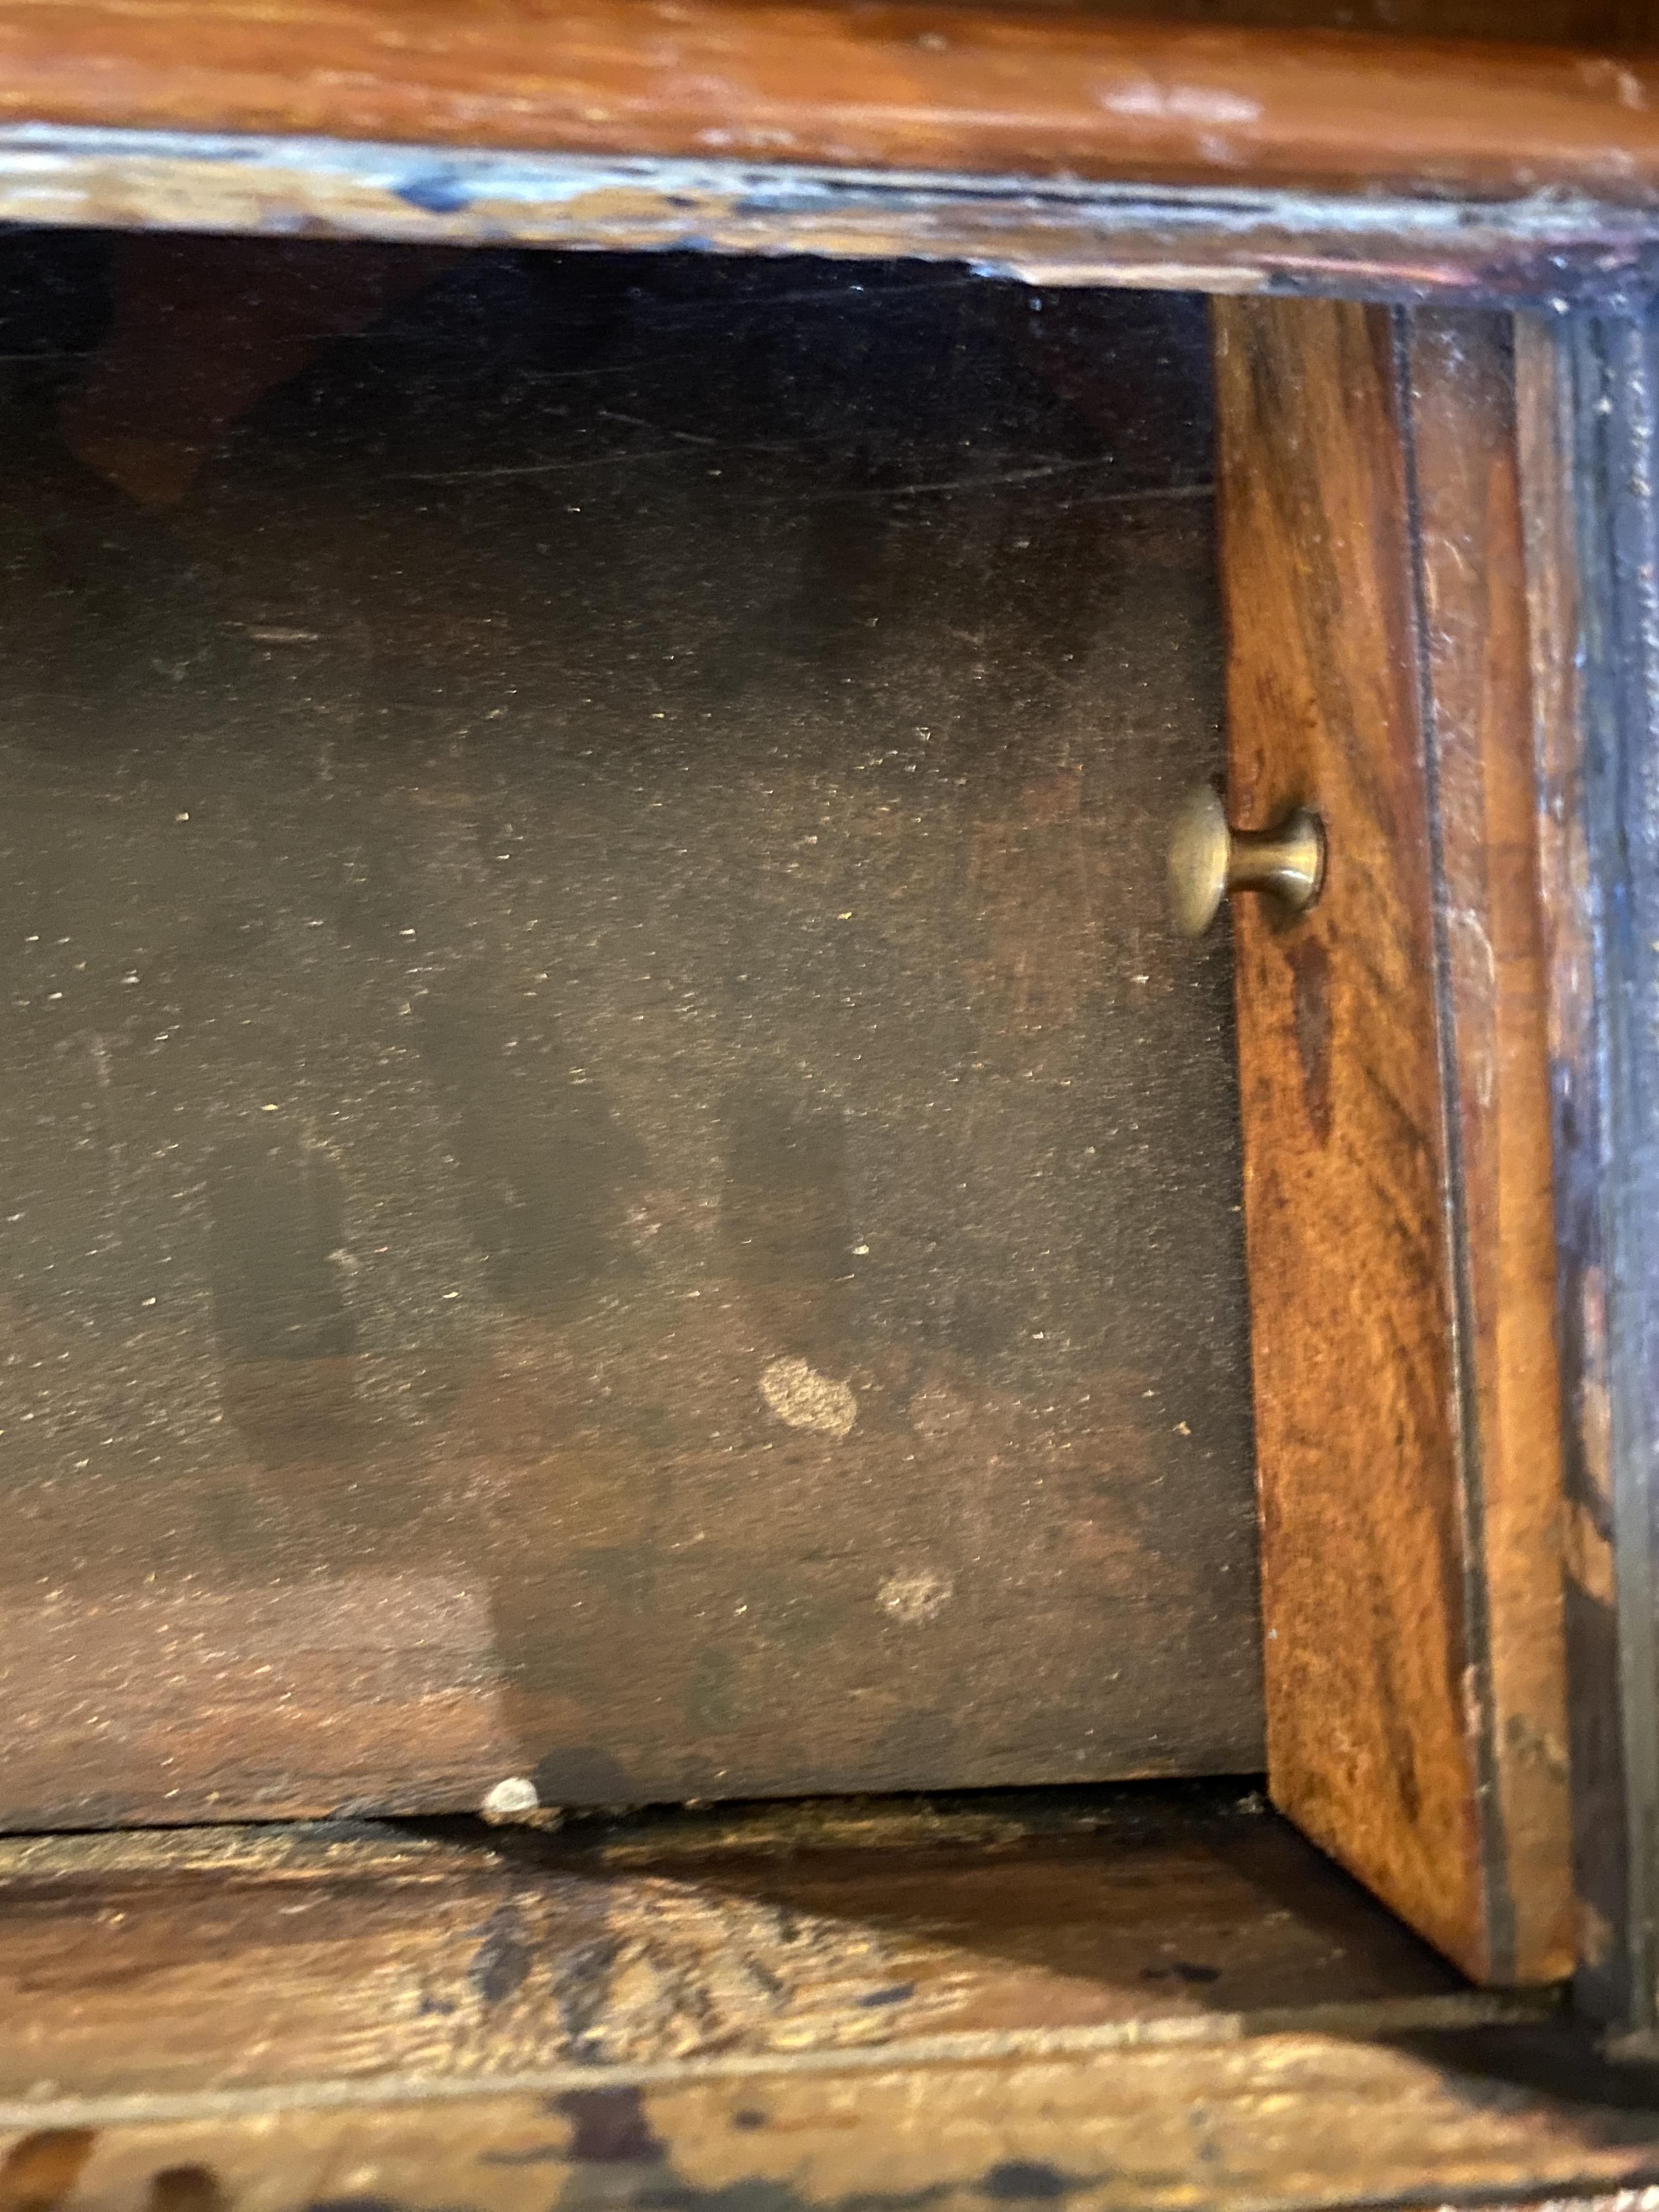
(1543, 393)
(1393, 1046)
(1587, 408)
(1471, 535)
(1396, 1144)
(1344, 1166)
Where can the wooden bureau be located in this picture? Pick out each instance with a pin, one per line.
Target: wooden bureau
(715, 1467)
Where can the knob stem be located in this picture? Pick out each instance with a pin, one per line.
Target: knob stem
(1208, 861)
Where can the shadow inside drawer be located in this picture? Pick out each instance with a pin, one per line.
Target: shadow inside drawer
(612, 1178)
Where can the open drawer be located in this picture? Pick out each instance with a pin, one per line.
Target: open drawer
(617, 1186)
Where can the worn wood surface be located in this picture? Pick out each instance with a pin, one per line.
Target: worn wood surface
(1113, 1999)
(1220, 238)
(1465, 480)
(1108, 1997)
(1588, 394)
(193, 1963)
(916, 88)
(1609, 1974)
(1396, 1132)
(1351, 1304)
(611, 1177)
(1293, 2121)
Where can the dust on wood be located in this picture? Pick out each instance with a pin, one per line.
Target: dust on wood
(613, 1183)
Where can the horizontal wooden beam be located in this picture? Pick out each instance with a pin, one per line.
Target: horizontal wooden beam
(973, 91)
(1557, 250)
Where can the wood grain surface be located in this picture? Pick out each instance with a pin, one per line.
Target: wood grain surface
(600, 1092)
(201, 1962)
(1396, 1135)
(1295, 2121)
(1112, 1999)
(960, 89)
(1478, 667)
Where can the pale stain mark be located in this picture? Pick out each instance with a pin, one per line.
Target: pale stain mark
(799, 1394)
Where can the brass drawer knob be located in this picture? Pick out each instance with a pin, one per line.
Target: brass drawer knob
(1208, 861)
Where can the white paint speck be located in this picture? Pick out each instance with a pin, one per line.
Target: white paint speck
(1179, 103)
(797, 1393)
(1601, 74)
(916, 1596)
(511, 1800)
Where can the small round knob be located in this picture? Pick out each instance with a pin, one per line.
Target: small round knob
(1208, 861)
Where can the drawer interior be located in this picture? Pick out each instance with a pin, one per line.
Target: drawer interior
(615, 1183)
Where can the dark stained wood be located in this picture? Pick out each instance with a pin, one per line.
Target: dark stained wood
(915, 88)
(1396, 1138)
(1607, 1983)
(599, 1099)
(1587, 393)
(1616, 23)
(1466, 479)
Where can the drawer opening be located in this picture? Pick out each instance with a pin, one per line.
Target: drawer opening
(617, 1188)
